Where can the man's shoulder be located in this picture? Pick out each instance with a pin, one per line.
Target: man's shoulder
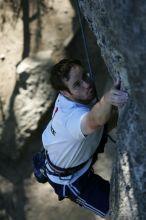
(67, 105)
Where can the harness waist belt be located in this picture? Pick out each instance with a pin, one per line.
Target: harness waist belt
(69, 171)
(64, 171)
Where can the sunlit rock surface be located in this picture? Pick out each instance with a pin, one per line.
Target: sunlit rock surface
(25, 91)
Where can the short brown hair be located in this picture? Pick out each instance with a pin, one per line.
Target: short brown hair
(61, 71)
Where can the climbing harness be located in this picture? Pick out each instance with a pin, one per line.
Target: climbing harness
(62, 172)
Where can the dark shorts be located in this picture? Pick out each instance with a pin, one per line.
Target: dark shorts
(89, 191)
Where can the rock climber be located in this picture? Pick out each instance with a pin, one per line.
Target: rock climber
(75, 134)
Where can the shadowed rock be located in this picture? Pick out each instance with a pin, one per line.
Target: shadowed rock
(30, 100)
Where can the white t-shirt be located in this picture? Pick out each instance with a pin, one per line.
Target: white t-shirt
(63, 138)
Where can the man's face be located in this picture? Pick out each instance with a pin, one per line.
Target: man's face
(80, 87)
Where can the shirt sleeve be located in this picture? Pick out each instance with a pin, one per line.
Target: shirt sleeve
(73, 123)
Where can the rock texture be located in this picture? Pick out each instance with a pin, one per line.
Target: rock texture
(31, 98)
(25, 92)
(120, 29)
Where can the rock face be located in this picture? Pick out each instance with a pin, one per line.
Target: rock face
(120, 29)
(31, 98)
(25, 91)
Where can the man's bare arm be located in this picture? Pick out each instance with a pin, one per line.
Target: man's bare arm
(100, 113)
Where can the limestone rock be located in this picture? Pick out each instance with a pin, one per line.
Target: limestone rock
(120, 29)
(31, 98)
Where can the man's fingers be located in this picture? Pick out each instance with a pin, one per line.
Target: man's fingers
(119, 93)
(116, 97)
(119, 98)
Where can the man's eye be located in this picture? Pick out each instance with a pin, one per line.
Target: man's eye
(85, 76)
(77, 84)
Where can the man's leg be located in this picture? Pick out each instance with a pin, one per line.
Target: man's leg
(89, 191)
(92, 192)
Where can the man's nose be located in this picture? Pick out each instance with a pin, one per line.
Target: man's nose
(86, 84)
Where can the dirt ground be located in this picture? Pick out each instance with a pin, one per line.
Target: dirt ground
(21, 197)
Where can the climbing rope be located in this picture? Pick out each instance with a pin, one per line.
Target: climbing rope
(111, 139)
(84, 39)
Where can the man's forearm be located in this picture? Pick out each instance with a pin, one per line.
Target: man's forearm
(100, 112)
